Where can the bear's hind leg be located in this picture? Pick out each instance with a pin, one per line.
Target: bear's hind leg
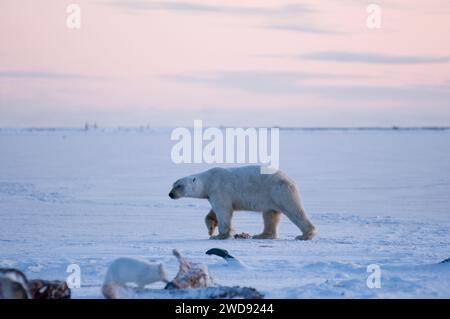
(271, 221)
(286, 196)
(299, 218)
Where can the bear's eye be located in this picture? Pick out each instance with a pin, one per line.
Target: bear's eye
(194, 179)
(178, 186)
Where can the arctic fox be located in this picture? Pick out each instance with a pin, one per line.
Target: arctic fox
(123, 271)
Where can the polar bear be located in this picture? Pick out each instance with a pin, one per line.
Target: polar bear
(245, 188)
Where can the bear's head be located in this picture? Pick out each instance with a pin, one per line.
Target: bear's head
(190, 186)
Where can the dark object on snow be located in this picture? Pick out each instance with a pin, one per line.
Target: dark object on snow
(200, 293)
(220, 252)
(242, 236)
(234, 292)
(231, 261)
(219, 292)
(45, 289)
(13, 284)
(445, 261)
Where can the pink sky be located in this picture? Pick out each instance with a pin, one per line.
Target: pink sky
(244, 63)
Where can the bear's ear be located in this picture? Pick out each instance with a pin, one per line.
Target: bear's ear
(194, 179)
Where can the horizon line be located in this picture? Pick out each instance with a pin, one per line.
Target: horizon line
(282, 128)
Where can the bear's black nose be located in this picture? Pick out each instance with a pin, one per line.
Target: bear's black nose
(171, 195)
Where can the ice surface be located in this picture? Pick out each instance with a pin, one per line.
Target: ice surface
(377, 197)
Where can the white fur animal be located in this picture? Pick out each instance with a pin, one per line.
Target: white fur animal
(245, 188)
(123, 271)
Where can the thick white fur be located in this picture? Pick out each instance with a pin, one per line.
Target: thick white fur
(245, 188)
(139, 272)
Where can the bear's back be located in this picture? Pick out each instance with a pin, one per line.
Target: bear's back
(253, 173)
(124, 269)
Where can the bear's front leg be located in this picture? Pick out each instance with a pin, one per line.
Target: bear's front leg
(224, 216)
(211, 222)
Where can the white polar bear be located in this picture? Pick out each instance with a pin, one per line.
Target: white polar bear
(245, 188)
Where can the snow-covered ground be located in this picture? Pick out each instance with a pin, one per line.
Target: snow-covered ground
(377, 197)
